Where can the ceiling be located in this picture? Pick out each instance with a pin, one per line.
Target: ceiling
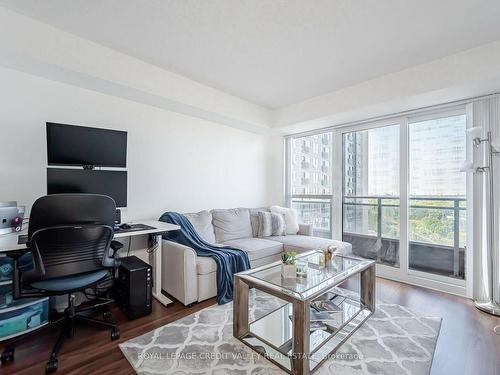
(276, 52)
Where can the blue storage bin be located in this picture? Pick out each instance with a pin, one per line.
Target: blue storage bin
(5, 268)
(23, 315)
(6, 265)
(5, 295)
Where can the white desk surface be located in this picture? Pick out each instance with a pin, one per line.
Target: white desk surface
(9, 242)
(159, 225)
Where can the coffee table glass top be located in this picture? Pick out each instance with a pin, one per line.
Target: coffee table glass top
(318, 278)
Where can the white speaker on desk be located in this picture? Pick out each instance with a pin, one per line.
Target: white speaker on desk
(11, 217)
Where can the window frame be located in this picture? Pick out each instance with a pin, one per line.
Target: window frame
(403, 273)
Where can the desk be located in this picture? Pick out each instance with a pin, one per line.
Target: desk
(9, 243)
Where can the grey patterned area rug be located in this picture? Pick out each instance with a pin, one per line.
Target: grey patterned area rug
(394, 340)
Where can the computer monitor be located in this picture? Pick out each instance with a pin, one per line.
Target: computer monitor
(88, 181)
(81, 146)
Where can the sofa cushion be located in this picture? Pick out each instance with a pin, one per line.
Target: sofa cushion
(256, 248)
(300, 244)
(231, 224)
(265, 261)
(202, 223)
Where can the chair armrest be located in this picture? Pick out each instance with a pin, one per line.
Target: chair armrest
(18, 276)
(179, 276)
(305, 229)
(110, 260)
(115, 246)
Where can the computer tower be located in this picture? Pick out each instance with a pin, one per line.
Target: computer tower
(134, 286)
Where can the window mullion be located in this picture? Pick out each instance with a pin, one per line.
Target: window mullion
(403, 194)
(337, 185)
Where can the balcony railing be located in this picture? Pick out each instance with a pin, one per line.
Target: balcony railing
(315, 210)
(371, 225)
(431, 248)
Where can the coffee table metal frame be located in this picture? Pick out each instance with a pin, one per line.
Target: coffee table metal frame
(302, 360)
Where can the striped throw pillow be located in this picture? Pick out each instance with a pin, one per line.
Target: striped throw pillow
(270, 224)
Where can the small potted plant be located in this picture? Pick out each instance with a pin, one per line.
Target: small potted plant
(288, 259)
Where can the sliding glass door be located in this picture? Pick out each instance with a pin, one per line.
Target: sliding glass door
(404, 197)
(371, 193)
(437, 189)
(392, 189)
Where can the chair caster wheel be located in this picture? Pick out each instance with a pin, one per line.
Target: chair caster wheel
(51, 366)
(115, 334)
(106, 314)
(8, 355)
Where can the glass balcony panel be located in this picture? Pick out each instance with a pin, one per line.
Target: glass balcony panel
(435, 244)
(316, 212)
(360, 219)
(437, 214)
(432, 226)
(462, 228)
(390, 222)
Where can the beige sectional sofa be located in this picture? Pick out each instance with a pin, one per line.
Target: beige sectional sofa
(190, 278)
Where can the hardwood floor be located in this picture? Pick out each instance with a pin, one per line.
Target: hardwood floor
(91, 351)
(466, 344)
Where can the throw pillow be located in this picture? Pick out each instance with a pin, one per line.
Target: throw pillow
(254, 221)
(291, 218)
(270, 224)
(202, 223)
(278, 224)
(231, 224)
(265, 228)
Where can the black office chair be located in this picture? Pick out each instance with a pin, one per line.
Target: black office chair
(70, 238)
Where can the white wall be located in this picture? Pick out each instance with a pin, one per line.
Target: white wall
(38, 48)
(175, 162)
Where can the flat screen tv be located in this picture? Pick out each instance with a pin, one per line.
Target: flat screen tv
(88, 181)
(80, 145)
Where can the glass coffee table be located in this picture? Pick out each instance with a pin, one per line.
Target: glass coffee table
(316, 317)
